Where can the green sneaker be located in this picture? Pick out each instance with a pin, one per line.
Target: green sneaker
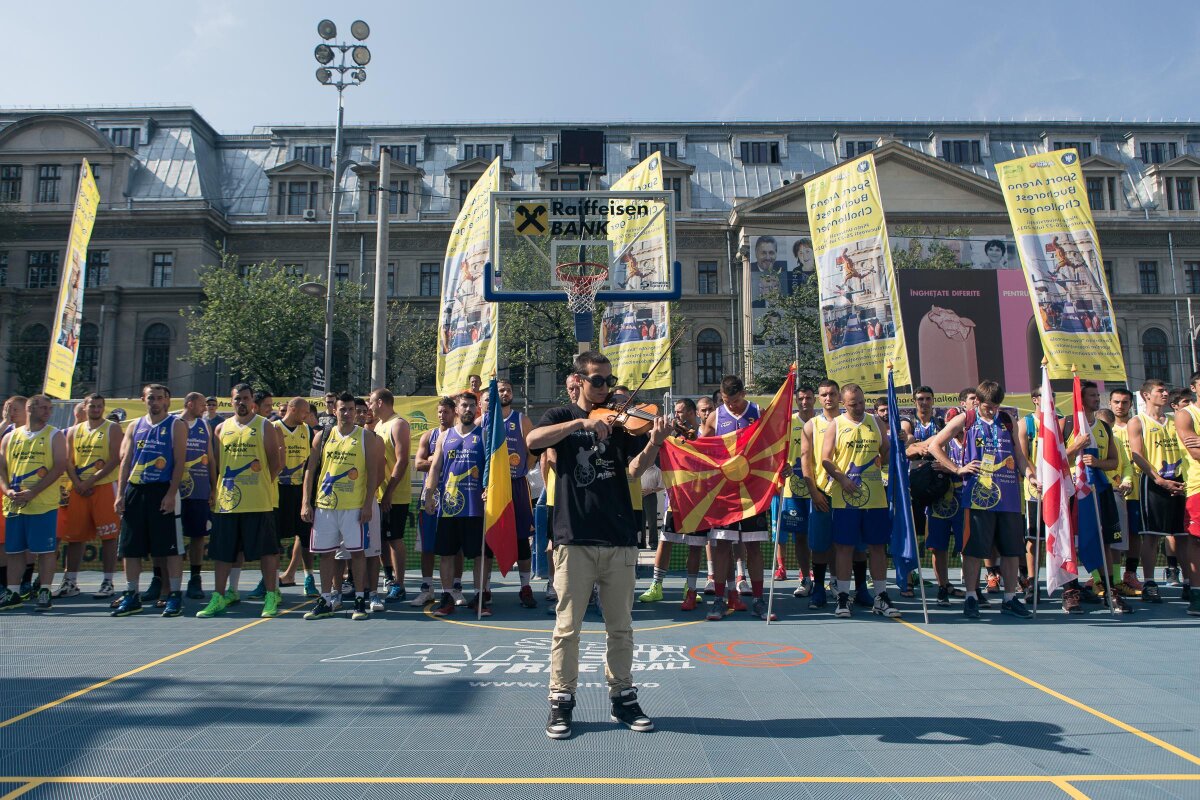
(653, 594)
(216, 605)
(232, 598)
(271, 604)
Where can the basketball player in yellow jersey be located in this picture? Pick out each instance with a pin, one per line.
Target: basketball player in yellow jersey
(850, 450)
(1187, 548)
(94, 452)
(395, 488)
(820, 513)
(248, 457)
(296, 439)
(32, 457)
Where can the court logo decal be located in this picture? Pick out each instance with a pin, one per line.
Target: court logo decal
(750, 655)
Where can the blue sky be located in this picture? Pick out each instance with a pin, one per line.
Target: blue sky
(247, 63)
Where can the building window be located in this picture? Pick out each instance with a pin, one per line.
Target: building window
(706, 277)
(1108, 276)
(89, 353)
(43, 269)
(30, 361)
(564, 184)
(1148, 277)
(397, 197)
(760, 152)
(162, 269)
(962, 151)
(1112, 193)
(96, 271)
(294, 271)
(156, 354)
(431, 280)
(1095, 193)
(342, 273)
(675, 185)
(124, 137)
(1084, 148)
(391, 280)
(404, 153)
(1179, 194)
(10, 184)
(484, 151)
(1154, 354)
(668, 149)
(856, 147)
(464, 188)
(1191, 274)
(1159, 152)
(296, 197)
(49, 180)
(709, 364)
(319, 155)
(4, 268)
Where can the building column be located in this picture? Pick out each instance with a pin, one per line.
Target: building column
(109, 308)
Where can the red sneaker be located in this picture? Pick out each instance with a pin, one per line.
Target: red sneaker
(780, 574)
(735, 601)
(689, 601)
(526, 597)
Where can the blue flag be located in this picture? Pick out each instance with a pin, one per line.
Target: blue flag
(904, 533)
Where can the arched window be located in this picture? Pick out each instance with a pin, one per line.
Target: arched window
(156, 354)
(709, 362)
(1155, 354)
(89, 353)
(29, 362)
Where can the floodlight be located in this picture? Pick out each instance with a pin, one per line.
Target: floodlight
(313, 289)
(326, 29)
(323, 54)
(360, 75)
(324, 75)
(361, 55)
(360, 30)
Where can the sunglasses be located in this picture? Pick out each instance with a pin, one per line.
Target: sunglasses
(598, 382)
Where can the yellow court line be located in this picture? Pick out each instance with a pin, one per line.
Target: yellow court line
(457, 780)
(143, 668)
(429, 613)
(20, 790)
(1125, 726)
(1069, 789)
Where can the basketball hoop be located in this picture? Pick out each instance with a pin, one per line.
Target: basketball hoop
(582, 281)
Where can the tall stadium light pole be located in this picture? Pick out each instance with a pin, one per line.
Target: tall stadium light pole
(348, 71)
(383, 217)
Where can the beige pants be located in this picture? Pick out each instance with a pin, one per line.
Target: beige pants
(576, 569)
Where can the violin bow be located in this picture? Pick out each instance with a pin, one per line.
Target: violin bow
(670, 346)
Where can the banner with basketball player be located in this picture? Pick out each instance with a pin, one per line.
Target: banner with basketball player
(68, 315)
(467, 325)
(860, 312)
(635, 336)
(1060, 254)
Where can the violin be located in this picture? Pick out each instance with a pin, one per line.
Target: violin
(635, 418)
(680, 430)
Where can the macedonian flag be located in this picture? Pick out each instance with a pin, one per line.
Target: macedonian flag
(718, 480)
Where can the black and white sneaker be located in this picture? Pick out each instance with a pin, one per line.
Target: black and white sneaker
(562, 705)
(625, 709)
(943, 595)
(44, 603)
(1150, 593)
(843, 605)
(883, 606)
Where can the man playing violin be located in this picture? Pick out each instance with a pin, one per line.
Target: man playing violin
(595, 539)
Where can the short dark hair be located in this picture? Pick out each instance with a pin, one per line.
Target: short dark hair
(1106, 415)
(260, 395)
(850, 387)
(238, 388)
(1151, 383)
(1195, 377)
(990, 392)
(880, 401)
(465, 396)
(385, 396)
(804, 387)
(620, 388)
(156, 387)
(688, 403)
(1121, 391)
(446, 402)
(504, 382)
(1182, 394)
(473, 375)
(967, 392)
(345, 397)
(923, 389)
(995, 243)
(358, 401)
(732, 384)
(586, 359)
(1088, 385)
(210, 399)
(94, 396)
(827, 383)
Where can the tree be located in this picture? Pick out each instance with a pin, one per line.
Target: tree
(940, 256)
(27, 351)
(411, 349)
(257, 320)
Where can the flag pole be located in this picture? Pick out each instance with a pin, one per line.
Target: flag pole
(1109, 590)
(778, 521)
(1037, 524)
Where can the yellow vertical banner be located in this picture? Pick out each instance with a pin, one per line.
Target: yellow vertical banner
(68, 314)
(1060, 255)
(860, 310)
(635, 335)
(467, 329)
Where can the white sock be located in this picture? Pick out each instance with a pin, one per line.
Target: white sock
(235, 575)
(308, 573)
(108, 576)
(692, 580)
(741, 568)
(710, 569)
(524, 579)
(73, 577)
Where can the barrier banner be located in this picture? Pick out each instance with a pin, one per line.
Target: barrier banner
(467, 330)
(860, 313)
(68, 315)
(1060, 254)
(635, 335)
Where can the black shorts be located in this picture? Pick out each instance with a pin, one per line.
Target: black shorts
(1162, 512)
(460, 535)
(393, 522)
(288, 522)
(195, 515)
(1110, 518)
(999, 530)
(145, 529)
(251, 533)
(1034, 526)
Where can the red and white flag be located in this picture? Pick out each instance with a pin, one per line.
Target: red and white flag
(1080, 427)
(1054, 476)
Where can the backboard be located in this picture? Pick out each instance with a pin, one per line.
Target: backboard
(533, 233)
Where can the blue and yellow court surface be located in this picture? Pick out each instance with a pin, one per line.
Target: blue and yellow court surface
(407, 705)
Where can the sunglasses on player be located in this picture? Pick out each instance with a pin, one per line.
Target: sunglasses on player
(599, 382)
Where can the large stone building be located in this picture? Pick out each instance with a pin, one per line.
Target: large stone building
(174, 192)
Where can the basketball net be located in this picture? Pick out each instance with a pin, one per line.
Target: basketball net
(581, 280)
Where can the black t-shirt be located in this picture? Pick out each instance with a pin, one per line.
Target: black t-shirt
(591, 489)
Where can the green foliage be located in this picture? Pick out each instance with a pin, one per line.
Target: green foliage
(940, 256)
(259, 322)
(796, 321)
(26, 358)
(412, 350)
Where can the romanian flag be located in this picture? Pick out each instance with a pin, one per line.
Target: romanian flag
(499, 521)
(718, 480)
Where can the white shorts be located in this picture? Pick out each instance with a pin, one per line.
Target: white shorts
(339, 531)
(727, 535)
